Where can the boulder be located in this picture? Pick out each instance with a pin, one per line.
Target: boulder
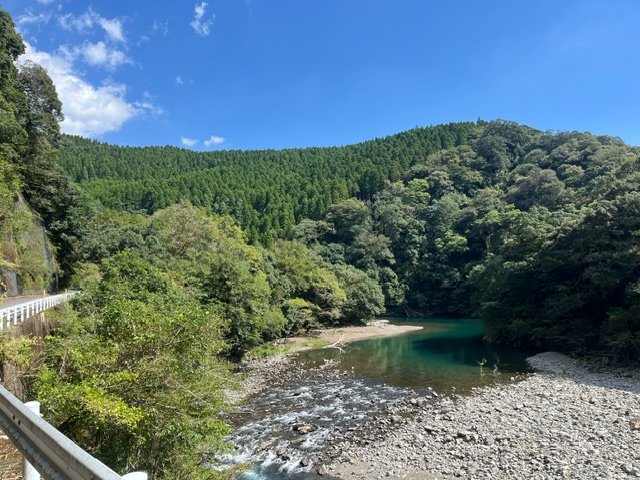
(305, 428)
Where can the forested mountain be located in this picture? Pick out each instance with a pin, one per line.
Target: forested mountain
(535, 232)
(267, 192)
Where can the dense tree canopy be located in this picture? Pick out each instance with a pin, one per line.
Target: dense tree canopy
(536, 232)
(267, 192)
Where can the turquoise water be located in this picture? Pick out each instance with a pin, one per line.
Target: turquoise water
(446, 353)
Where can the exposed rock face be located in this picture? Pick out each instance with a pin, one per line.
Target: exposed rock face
(27, 265)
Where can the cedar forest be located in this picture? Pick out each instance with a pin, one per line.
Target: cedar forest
(189, 261)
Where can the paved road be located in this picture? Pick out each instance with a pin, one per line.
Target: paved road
(12, 301)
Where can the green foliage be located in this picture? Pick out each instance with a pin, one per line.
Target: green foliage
(301, 315)
(21, 353)
(365, 299)
(135, 377)
(535, 232)
(317, 286)
(29, 114)
(267, 192)
(109, 232)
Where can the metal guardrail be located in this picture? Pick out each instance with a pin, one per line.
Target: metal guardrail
(47, 452)
(19, 313)
(51, 453)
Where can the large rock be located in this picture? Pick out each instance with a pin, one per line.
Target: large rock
(305, 428)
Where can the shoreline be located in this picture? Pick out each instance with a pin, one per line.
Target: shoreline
(272, 369)
(348, 334)
(563, 421)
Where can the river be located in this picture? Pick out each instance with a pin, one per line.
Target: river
(340, 392)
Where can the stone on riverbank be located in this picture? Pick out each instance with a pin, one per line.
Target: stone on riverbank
(562, 422)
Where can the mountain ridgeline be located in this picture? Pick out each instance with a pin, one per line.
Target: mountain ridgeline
(535, 232)
(266, 191)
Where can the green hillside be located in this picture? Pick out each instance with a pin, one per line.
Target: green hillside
(535, 232)
(267, 191)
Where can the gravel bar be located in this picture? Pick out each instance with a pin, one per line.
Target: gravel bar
(564, 421)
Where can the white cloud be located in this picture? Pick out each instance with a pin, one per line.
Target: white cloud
(201, 25)
(113, 27)
(179, 80)
(31, 19)
(101, 55)
(214, 140)
(189, 142)
(81, 23)
(89, 19)
(147, 105)
(89, 110)
(46, 2)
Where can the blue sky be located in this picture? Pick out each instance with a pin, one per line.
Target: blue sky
(292, 73)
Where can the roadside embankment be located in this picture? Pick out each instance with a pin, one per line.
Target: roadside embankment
(10, 459)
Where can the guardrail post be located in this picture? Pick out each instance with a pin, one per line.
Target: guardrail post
(135, 476)
(28, 471)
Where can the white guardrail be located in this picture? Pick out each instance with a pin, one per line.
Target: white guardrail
(19, 313)
(47, 453)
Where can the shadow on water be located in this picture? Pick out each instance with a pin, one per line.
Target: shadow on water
(445, 353)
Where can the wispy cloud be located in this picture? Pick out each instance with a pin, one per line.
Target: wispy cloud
(29, 18)
(147, 105)
(201, 25)
(214, 140)
(160, 27)
(86, 22)
(80, 23)
(89, 110)
(180, 80)
(188, 142)
(46, 2)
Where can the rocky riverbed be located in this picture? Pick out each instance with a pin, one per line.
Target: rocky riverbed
(297, 425)
(563, 421)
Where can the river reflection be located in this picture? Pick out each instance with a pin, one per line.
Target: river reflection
(445, 354)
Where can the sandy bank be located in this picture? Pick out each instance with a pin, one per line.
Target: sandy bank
(266, 372)
(344, 335)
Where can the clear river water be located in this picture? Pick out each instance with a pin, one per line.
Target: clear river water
(446, 353)
(369, 376)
